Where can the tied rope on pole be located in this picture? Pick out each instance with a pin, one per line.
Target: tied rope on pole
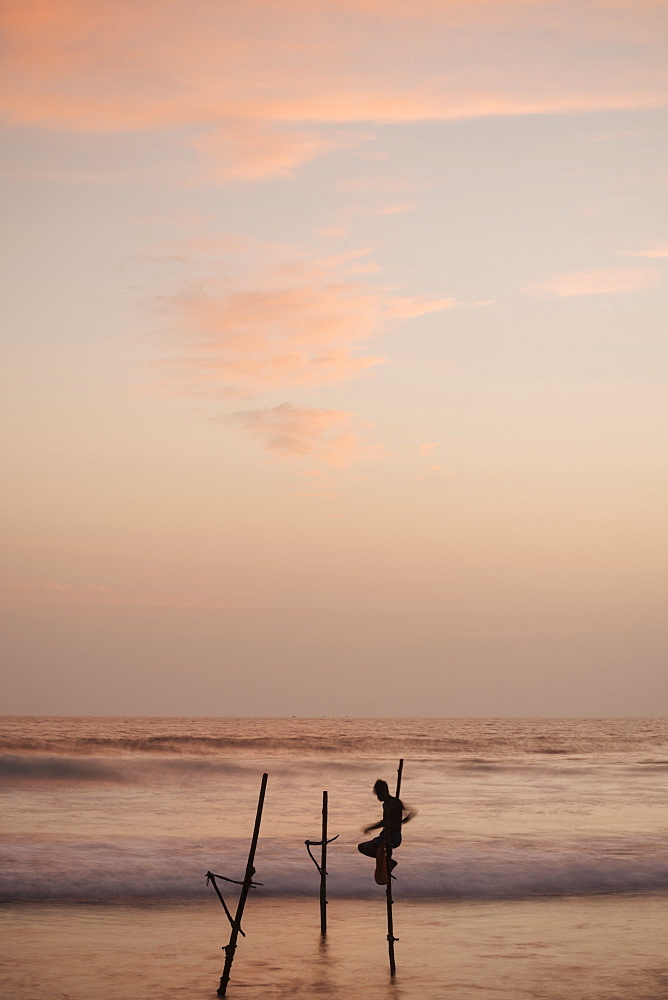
(211, 877)
(322, 866)
(318, 843)
(246, 886)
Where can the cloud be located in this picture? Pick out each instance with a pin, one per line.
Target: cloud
(289, 321)
(604, 281)
(426, 448)
(264, 339)
(408, 307)
(629, 133)
(398, 209)
(305, 323)
(656, 252)
(260, 88)
(245, 150)
(306, 432)
(436, 471)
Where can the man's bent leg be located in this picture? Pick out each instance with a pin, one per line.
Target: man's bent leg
(370, 847)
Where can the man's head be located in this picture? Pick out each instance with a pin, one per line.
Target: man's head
(381, 789)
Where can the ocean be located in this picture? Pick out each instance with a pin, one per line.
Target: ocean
(536, 865)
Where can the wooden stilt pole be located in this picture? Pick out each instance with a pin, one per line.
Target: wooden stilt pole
(245, 889)
(390, 903)
(388, 890)
(323, 868)
(400, 771)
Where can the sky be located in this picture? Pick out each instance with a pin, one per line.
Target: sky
(334, 353)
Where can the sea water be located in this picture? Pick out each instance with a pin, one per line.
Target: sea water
(536, 864)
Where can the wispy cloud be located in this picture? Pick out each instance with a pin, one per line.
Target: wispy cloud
(329, 436)
(264, 339)
(398, 209)
(655, 252)
(630, 133)
(291, 322)
(265, 102)
(603, 281)
(247, 150)
(303, 324)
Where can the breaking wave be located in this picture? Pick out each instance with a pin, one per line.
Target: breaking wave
(138, 870)
(16, 768)
(32, 768)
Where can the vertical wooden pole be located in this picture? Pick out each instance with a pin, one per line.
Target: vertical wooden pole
(388, 890)
(323, 868)
(400, 771)
(245, 889)
(390, 903)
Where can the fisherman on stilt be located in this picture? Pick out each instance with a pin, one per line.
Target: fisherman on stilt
(394, 815)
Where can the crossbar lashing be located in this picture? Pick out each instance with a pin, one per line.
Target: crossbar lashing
(233, 880)
(211, 877)
(246, 886)
(318, 843)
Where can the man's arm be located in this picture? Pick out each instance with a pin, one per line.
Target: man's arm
(374, 826)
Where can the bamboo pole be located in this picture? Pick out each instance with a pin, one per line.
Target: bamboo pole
(230, 948)
(388, 889)
(323, 868)
(400, 771)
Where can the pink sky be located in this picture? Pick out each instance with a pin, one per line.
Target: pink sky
(335, 361)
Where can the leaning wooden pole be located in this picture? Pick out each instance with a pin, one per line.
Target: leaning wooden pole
(245, 889)
(388, 890)
(323, 868)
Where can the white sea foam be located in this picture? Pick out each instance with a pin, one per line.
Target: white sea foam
(148, 869)
(125, 810)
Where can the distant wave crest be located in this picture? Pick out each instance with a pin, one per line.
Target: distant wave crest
(39, 768)
(17, 768)
(158, 767)
(234, 745)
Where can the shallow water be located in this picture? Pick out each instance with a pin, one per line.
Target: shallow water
(580, 948)
(537, 865)
(127, 809)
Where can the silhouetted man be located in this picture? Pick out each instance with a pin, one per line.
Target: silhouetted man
(394, 815)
